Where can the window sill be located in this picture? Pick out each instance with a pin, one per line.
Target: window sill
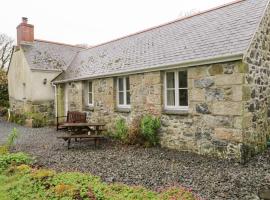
(176, 112)
(123, 110)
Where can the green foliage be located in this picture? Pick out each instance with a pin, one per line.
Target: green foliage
(18, 118)
(124, 192)
(15, 159)
(121, 129)
(12, 137)
(4, 98)
(21, 182)
(38, 120)
(177, 193)
(4, 149)
(140, 131)
(149, 129)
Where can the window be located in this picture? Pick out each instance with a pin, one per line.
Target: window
(90, 93)
(123, 92)
(176, 90)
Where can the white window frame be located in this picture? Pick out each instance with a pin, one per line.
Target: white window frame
(176, 89)
(88, 92)
(125, 105)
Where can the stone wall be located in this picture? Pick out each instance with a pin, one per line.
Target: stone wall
(145, 98)
(213, 123)
(45, 107)
(257, 81)
(75, 95)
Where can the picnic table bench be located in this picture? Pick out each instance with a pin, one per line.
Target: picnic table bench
(90, 131)
(95, 138)
(71, 117)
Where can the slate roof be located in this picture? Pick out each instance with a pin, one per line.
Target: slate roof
(46, 55)
(227, 30)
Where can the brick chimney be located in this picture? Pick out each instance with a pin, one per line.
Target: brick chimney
(25, 32)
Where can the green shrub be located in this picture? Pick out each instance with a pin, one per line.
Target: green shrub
(4, 98)
(39, 120)
(14, 159)
(121, 129)
(18, 118)
(4, 149)
(149, 129)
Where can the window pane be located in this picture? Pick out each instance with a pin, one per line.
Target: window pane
(127, 82)
(120, 84)
(183, 97)
(90, 86)
(170, 98)
(90, 100)
(170, 80)
(121, 98)
(128, 98)
(182, 79)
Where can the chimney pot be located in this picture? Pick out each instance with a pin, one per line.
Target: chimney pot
(24, 20)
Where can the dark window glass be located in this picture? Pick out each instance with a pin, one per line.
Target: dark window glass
(170, 80)
(127, 83)
(121, 84)
(121, 98)
(182, 79)
(90, 86)
(128, 98)
(183, 97)
(90, 98)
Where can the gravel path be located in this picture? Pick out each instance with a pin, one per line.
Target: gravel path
(152, 167)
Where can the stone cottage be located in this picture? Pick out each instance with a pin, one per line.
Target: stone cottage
(206, 76)
(34, 64)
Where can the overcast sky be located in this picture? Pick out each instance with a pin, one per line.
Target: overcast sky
(94, 21)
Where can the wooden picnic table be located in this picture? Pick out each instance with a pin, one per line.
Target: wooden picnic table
(89, 131)
(79, 128)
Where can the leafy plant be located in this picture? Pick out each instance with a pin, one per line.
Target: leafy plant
(15, 159)
(121, 129)
(38, 119)
(4, 149)
(18, 118)
(149, 129)
(21, 182)
(4, 99)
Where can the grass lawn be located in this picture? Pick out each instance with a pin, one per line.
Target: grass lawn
(20, 180)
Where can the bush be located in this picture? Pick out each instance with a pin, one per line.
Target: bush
(134, 136)
(4, 149)
(121, 129)
(38, 120)
(14, 159)
(18, 118)
(149, 129)
(4, 98)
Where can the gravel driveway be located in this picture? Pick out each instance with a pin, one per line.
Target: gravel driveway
(152, 167)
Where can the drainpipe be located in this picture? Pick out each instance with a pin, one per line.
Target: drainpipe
(55, 99)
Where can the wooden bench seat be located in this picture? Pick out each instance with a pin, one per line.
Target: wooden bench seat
(95, 138)
(72, 117)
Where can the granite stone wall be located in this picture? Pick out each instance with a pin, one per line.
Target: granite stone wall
(211, 126)
(213, 123)
(257, 81)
